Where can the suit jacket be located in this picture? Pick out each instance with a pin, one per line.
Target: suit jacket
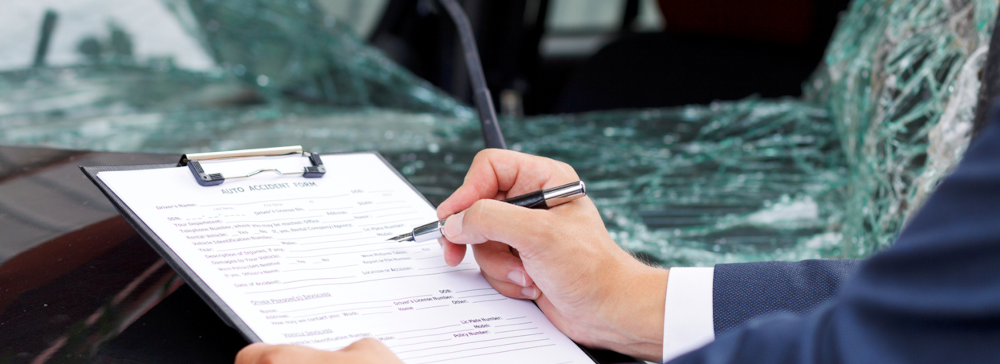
(933, 297)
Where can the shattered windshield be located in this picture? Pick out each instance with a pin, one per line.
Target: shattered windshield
(831, 175)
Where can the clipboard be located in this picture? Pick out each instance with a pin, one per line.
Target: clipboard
(204, 178)
(246, 325)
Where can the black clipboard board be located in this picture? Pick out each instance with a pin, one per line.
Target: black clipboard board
(197, 284)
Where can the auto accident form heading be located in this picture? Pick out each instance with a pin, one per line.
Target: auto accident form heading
(306, 261)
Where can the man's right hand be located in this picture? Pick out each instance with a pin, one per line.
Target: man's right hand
(591, 289)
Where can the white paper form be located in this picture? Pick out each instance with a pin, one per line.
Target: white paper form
(305, 261)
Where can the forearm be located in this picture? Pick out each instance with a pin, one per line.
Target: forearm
(744, 291)
(702, 303)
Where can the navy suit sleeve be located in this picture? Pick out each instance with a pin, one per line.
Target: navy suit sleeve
(744, 291)
(933, 297)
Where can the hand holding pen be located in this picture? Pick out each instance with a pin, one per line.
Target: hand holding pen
(541, 199)
(588, 286)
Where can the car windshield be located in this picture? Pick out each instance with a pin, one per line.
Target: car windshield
(830, 175)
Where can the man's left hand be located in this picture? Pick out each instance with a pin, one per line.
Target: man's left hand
(364, 351)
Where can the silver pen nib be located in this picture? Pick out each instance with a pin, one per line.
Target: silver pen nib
(421, 233)
(408, 237)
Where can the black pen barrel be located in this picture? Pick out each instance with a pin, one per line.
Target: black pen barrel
(533, 200)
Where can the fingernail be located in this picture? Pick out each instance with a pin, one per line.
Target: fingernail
(518, 278)
(441, 243)
(530, 292)
(453, 226)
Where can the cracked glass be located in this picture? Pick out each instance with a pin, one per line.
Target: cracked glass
(834, 174)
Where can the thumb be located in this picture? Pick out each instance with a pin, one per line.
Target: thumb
(492, 220)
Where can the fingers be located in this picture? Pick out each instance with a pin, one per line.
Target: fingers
(498, 174)
(512, 290)
(367, 350)
(260, 353)
(491, 220)
(504, 271)
(453, 253)
(368, 345)
(497, 171)
(250, 353)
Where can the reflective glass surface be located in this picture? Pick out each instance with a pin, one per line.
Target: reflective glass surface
(74, 273)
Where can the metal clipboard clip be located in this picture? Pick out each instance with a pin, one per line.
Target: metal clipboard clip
(191, 160)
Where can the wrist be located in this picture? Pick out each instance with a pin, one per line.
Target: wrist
(635, 313)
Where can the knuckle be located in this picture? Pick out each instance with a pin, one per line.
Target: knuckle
(482, 154)
(567, 169)
(560, 167)
(481, 157)
(485, 154)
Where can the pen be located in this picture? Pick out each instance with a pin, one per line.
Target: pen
(541, 199)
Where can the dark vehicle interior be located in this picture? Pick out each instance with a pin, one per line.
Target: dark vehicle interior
(728, 50)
